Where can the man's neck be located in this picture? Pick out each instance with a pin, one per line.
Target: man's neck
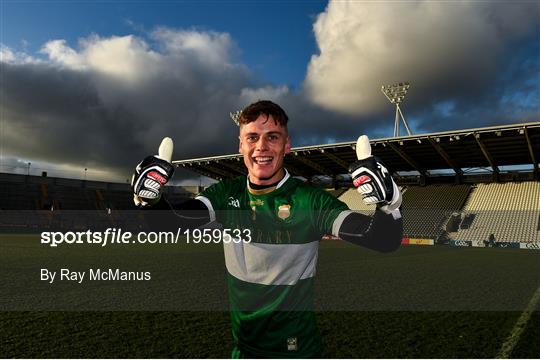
(265, 188)
(261, 187)
(273, 179)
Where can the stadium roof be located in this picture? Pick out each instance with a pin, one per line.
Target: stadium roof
(489, 147)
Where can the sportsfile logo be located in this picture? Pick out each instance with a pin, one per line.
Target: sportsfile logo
(109, 236)
(120, 237)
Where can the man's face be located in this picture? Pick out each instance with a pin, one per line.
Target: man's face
(264, 143)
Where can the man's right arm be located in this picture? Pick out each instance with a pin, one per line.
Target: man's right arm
(147, 183)
(190, 214)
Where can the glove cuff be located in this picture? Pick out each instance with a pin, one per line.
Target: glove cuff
(392, 208)
(142, 203)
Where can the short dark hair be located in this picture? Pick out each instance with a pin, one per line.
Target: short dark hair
(264, 107)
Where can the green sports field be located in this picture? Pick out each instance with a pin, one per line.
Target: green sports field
(417, 302)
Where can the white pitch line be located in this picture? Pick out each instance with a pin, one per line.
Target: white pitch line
(511, 341)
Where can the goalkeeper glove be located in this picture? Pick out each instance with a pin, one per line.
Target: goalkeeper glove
(373, 180)
(150, 176)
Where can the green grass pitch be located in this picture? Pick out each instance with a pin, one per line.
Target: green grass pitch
(436, 302)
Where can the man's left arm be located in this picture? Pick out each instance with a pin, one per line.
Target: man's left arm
(384, 230)
(380, 232)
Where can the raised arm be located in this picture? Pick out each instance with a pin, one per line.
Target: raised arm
(384, 231)
(147, 183)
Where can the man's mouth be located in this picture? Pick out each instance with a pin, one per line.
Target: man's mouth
(263, 160)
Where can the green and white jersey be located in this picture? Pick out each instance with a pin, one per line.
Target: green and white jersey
(271, 279)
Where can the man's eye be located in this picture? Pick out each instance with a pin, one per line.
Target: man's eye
(273, 137)
(252, 139)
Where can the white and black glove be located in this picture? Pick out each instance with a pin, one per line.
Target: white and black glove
(152, 174)
(373, 180)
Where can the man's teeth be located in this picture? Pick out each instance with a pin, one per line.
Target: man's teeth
(263, 159)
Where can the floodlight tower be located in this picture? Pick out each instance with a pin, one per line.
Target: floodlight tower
(396, 94)
(235, 116)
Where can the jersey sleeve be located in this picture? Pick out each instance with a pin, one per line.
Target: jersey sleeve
(215, 198)
(210, 197)
(328, 212)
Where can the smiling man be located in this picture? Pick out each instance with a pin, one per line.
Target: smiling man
(264, 142)
(271, 277)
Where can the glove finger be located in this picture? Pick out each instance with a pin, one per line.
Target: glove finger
(148, 194)
(371, 200)
(366, 188)
(152, 184)
(364, 191)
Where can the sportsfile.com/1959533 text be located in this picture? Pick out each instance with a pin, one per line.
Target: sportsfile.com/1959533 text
(117, 236)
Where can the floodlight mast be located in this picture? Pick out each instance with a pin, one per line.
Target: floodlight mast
(235, 116)
(396, 94)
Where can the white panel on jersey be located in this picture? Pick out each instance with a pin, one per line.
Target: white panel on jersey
(208, 204)
(339, 220)
(271, 264)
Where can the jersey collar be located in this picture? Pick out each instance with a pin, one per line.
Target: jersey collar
(270, 189)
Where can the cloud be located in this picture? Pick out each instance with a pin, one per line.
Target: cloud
(108, 101)
(124, 58)
(445, 49)
(211, 48)
(59, 52)
(276, 94)
(9, 56)
(6, 54)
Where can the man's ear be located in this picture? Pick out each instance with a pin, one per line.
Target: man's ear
(240, 144)
(288, 146)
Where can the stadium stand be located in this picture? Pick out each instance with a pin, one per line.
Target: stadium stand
(20, 192)
(509, 211)
(19, 196)
(33, 203)
(426, 209)
(457, 150)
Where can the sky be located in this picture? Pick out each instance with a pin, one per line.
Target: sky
(96, 85)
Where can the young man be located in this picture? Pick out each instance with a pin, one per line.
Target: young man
(271, 278)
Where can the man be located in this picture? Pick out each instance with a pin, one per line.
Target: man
(271, 279)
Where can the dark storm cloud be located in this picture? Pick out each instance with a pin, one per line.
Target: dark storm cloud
(81, 112)
(108, 103)
(511, 96)
(102, 108)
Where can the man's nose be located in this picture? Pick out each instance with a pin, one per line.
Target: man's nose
(262, 144)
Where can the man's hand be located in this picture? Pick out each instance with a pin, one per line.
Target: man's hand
(373, 180)
(152, 174)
